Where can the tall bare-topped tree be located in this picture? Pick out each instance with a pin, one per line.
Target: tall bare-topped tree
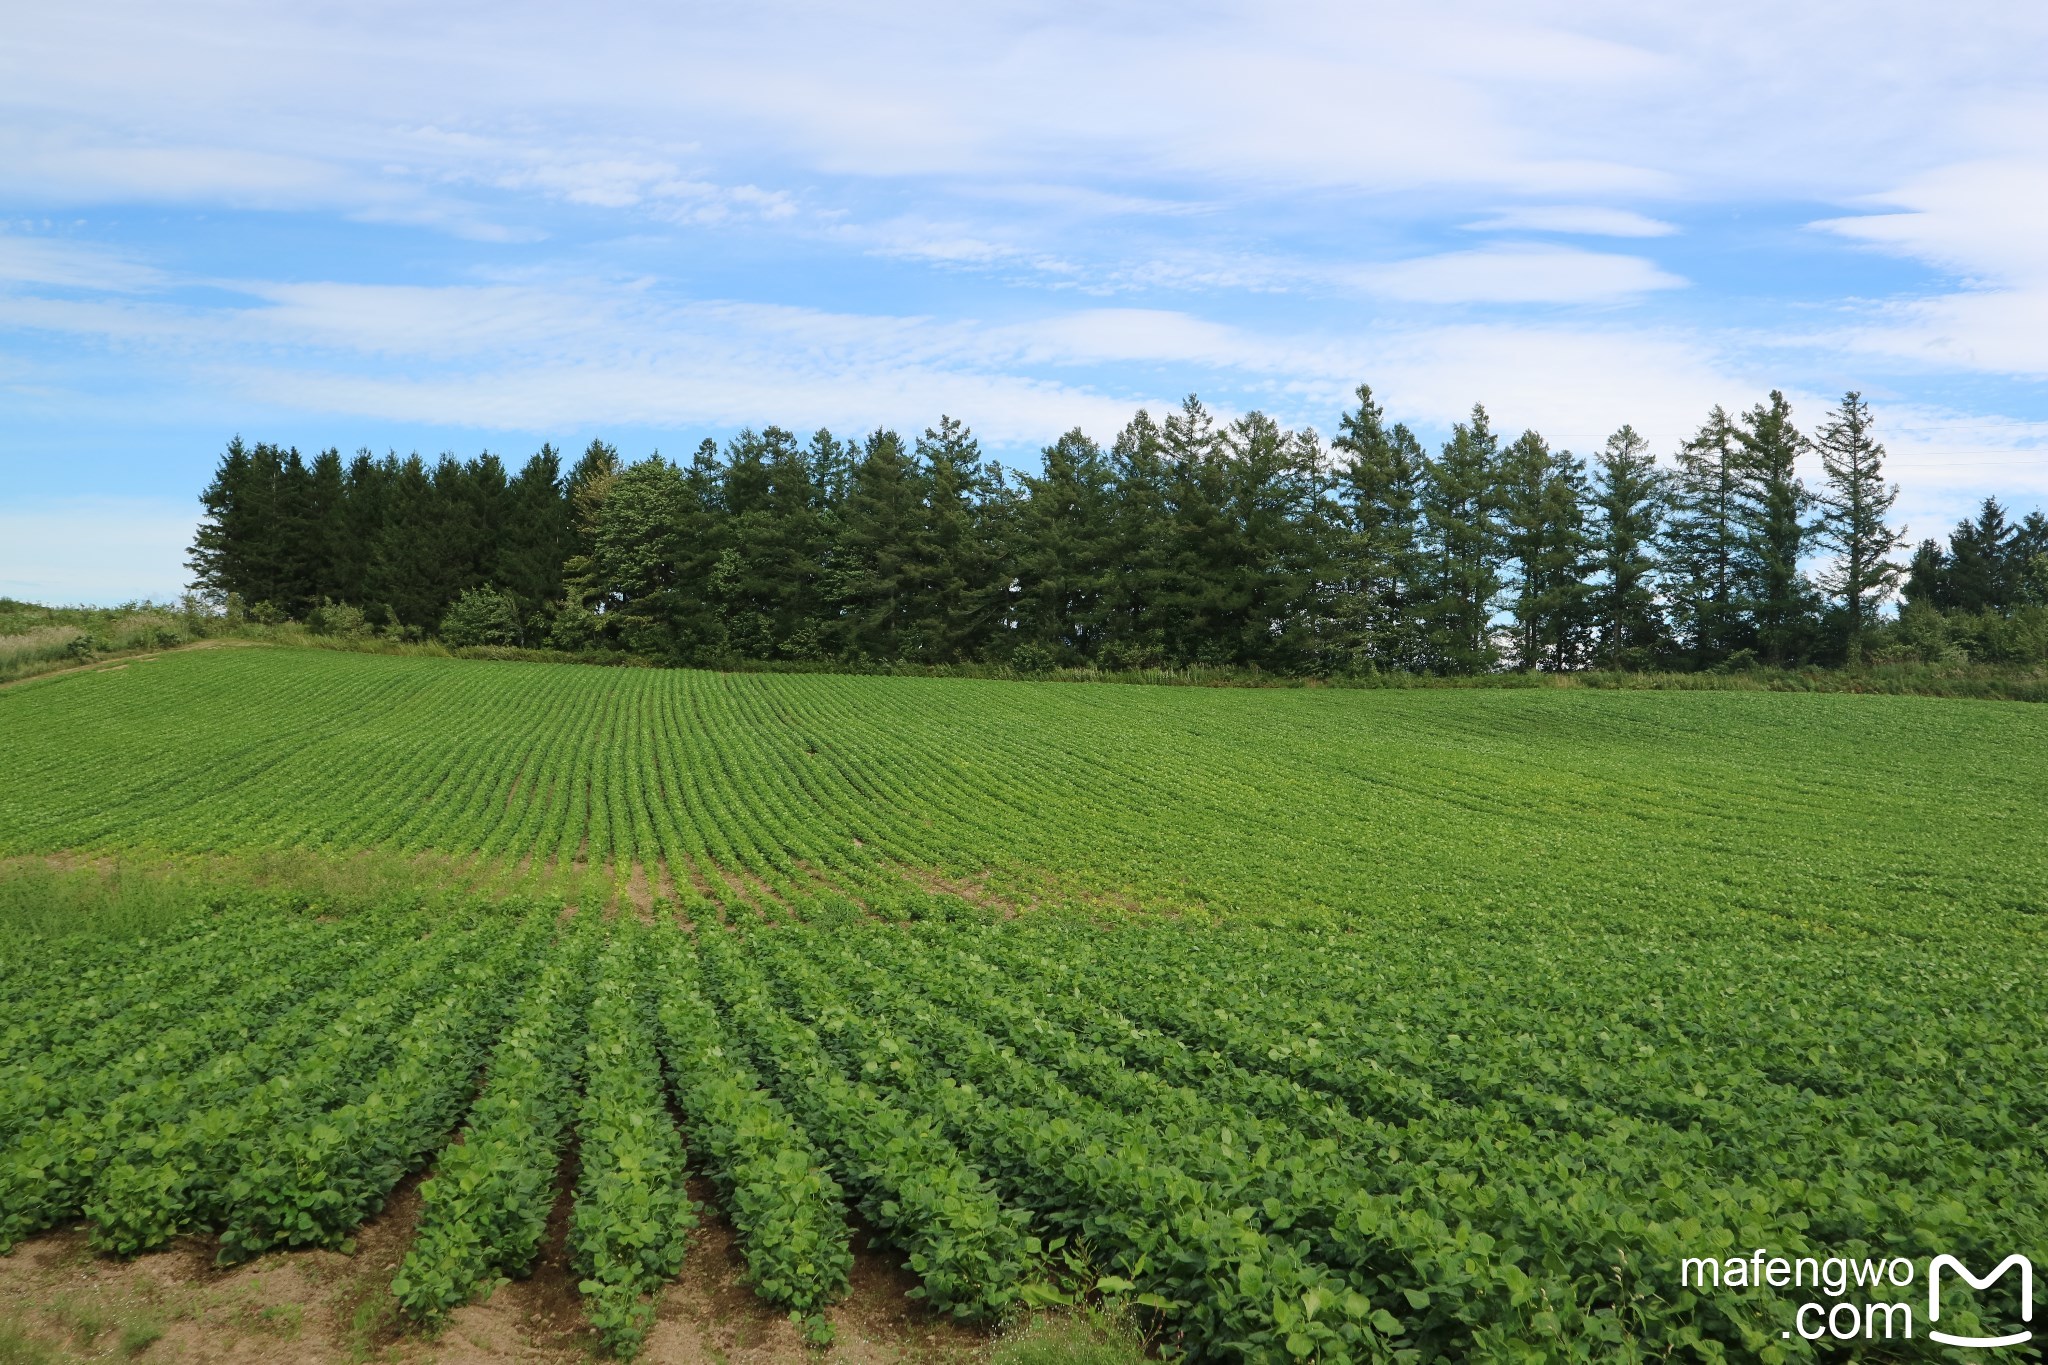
(1854, 506)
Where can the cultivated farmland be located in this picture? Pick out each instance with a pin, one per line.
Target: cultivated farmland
(1418, 1025)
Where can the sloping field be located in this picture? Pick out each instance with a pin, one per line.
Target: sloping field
(1259, 802)
(1331, 1025)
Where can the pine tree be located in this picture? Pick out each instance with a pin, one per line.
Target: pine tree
(456, 512)
(487, 497)
(1628, 514)
(1543, 495)
(1927, 582)
(964, 581)
(219, 545)
(1375, 551)
(1195, 588)
(798, 538)
(1980, 576)
(1703, 544)
(772, 546)
(315, 547)
(406, 564)
(1280, 515)
(880, 556)
(1773, 504)
(1460, 503)
(527, 561)
(831, 461)
(1853, 510)
(2029, 555)
(1066, 553)
(1141, 519)
(586, 600)
(365, 507)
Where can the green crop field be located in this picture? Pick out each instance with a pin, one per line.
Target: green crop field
(1310, 1024)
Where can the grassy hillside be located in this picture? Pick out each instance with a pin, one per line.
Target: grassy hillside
(1469, 1015)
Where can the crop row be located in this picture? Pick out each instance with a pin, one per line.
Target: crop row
(791, 790)
(1275, 1146)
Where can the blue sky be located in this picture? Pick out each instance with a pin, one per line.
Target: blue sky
(466, 227)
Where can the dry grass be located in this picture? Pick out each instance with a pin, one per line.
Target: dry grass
(31, 650)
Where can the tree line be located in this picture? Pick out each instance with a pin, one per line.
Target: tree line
(1187, 541)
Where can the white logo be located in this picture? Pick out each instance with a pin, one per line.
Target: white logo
(2026, 1298)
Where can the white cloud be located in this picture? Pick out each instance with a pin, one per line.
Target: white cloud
(46, 261)
(1584, 220)
(543, 355)
(898, 189)
(1518, 273)
(1978, 219)
(256, 104)
(1982, 222)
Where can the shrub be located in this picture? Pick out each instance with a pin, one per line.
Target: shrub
(482, 616)
(340, 620)
(146, 630)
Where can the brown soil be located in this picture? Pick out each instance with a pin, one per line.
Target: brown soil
(639, 891)
(331, 1308)
(974, 890)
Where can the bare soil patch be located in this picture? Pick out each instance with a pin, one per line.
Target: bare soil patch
(335, 1308)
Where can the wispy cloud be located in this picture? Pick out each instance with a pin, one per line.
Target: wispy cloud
(1980, 223)
(1518, 273)
(480, 218)
(46, 261)
(1582, 220)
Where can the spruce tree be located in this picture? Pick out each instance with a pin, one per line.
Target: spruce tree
(226, 525)
(1853, 510)
(1460, 502)
(1773, 503)
(1374, 554)
(2029, 555)
(1196, 586)
(410, 549)
(365, 506)
(315, 547)
(527, 561)
(1927, 582)
(1141, 518)
(1980, 569)
(1066, 554)
(1628, 514)
(879, 556)
(963, 580)
(1702, 562)
(1543, 532)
